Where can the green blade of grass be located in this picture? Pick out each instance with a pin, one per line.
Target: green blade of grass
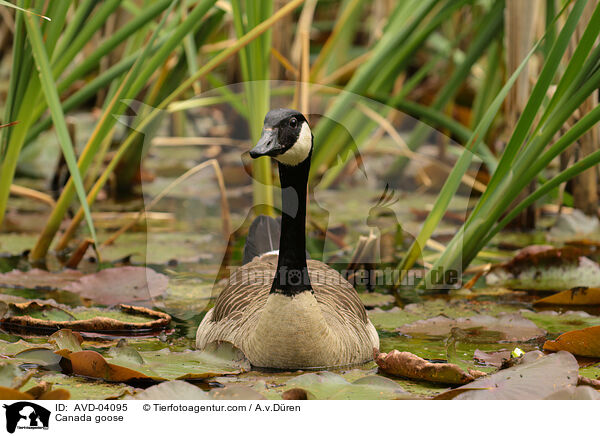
(103, 128)
(49, 88)
(574, 133)
(535, 100)
(455, 176)
(10, 5)
(507, 179)
(205, 69)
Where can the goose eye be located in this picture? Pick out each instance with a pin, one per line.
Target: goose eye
(293, 123)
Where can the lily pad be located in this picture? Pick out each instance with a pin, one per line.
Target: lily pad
(17, 243)
(396, 317)
(575, 393)
(584, 342)
(12, 348)
(535, 378)
(375, 299)
(158, 365)
(10, 375)
(555, 322)
(39, 279)
(327, 385)
(171, 390)
(123, 285)
(575, 225)
(124, 318)
(509, 327)
(110, 286)
(550, 269)
(495, 359)
(81, 388)
(66, 339)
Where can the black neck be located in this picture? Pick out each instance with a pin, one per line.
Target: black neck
(291, 277)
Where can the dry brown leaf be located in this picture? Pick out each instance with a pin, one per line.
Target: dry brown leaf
(56, 394)
(405, 364)
(295, 394)
(576, 296)
(92, 364)
(584, 342)
(13, 394)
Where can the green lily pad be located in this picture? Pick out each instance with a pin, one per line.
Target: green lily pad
(592, 372)
(160, 248)
(375, 299)
(327, 385)
(43, 357)
(17, 243)
(166, 365)
(396, 317)
(556, 323)
(13, 348)
(582, 272)
(81, 388)
(482, 328)
(65, 339)
(9, 373)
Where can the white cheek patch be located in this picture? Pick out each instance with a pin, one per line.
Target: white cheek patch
(300, 150)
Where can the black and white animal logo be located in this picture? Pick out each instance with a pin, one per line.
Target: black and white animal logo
(26, 415)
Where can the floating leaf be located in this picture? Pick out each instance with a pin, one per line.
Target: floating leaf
(124, 318)
(39, 356)
(39, 279)
(405, 364)
(576, 297)
(12, 348)
(584, 342)
(10, 375)
(81, 388)
(535, 378)
(236, 393)
(575, 225)
(555, 322)
(66, 339)
(575, 393)
(327, 385)
(510, 327)
(495, 358)
(171, 390)
(546, 269)
(128, 284)
(213, 361)
(375, 299)
(122, 285)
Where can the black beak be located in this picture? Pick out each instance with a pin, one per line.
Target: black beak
(267, 144)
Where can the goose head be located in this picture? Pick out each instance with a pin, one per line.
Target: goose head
(286, 137)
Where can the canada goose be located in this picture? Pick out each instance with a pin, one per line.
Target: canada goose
(281, 310)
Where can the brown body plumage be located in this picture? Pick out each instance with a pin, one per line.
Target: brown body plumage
(324, 328)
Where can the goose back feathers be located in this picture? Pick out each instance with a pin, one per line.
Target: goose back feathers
(324, 328)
